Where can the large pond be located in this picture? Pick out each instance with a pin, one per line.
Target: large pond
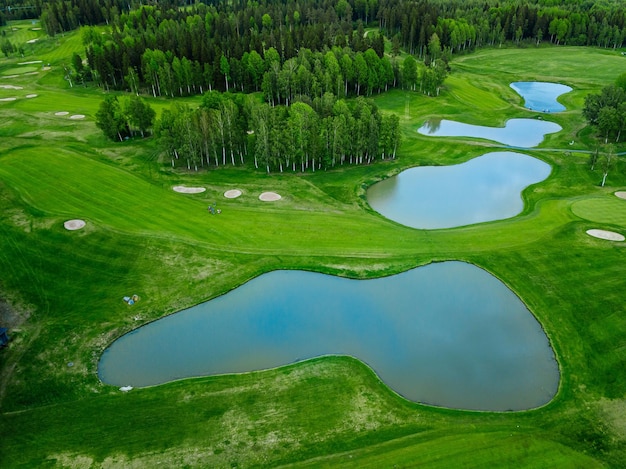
(482, 189)
(521, 133)
(541, 96)
(448, 334)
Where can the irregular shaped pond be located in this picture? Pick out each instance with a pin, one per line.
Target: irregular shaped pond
(541, 96)
(521, 133)
(482, 189)
(447, 334)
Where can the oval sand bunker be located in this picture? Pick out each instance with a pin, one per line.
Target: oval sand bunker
(188, 190)
(232, 194)
(621, 194)
(608, 235)
(31, 95)
(61, 113)
(74, 224)
(77, 116)
(269, 196)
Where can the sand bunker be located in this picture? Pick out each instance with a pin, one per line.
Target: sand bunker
(232, 194)
(31, 95)
(269, 196)
(608, 235)
(61, 113)
(74, 224)
(621, 194)
(188, 190)
(77, 116)
(11, 87)
(31, 62)
(8, 99)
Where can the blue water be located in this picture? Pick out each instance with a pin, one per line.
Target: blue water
(520, 133)
(541, 96)
(447, 334)
(482, 189)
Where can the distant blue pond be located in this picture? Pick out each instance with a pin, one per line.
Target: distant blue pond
(447, 334)
(541, 96)
(483, 189)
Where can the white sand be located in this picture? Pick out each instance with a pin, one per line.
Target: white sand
(74, 224)
(8, 99)
(188, 190)
(621, 194)
(31, 95)
(31, 62)
(608, 235)
(77, 116)
(61, 113)
(269, 196)
(11, 87)
(232, 194)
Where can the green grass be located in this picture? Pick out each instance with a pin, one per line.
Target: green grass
(142, 237)
(24, 69)
(477, 450)
(607, 210)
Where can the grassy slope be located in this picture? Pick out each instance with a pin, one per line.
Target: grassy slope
(143, 238)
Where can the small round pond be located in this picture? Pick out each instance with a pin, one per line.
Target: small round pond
(482, 189)
(520, 133)
(541, 96)
(447, 334)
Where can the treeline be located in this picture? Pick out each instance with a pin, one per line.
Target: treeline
(228, 129)
(19, 10)
(59, 16)
(607, 110)
(339, 71)
(467, 24)
(459, 24)
(176, 53)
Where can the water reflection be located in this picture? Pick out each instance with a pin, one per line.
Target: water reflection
(447, 334)
(521, 133)
(432, 125)
(483, 189)
(541, 96)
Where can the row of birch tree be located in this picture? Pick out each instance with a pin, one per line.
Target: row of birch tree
(236, 130)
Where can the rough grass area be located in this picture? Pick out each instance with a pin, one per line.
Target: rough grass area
(62, 290)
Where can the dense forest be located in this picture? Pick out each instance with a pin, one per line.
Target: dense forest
(458, 23)
(178, 53)
(287, 48)
(218, 45)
